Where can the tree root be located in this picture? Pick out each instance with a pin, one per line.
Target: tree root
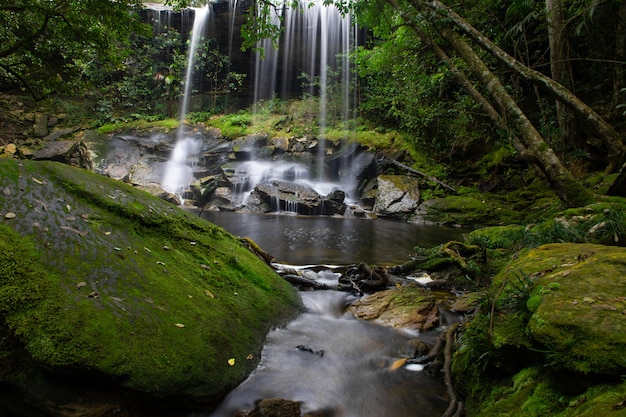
(445, 343)
(455, 407)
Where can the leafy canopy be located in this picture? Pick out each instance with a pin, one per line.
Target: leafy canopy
(46, 46)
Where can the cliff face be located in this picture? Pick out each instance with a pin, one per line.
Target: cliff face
(109, 295)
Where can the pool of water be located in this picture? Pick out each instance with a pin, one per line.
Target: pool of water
(302, 240)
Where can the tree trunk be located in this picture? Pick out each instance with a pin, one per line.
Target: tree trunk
(619, 71)
(571, 192)
(560, 66)
(616, 150)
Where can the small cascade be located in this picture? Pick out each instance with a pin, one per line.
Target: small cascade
(179, 169)
(245, 176)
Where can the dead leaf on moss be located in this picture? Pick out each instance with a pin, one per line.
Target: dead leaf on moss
(179, 325)
(231, 361)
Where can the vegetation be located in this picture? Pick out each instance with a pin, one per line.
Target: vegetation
(99, 277)
(519, 104)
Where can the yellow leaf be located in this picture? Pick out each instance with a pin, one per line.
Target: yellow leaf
(231, 361)
(397, 364)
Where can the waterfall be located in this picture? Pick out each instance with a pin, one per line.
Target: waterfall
(179, 168)
(314, 36)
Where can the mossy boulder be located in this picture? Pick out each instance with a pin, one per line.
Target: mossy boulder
(551, 339)
(467, 209)
(578, 305)
(100, 281)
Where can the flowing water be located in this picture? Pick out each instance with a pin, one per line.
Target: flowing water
(330, 361)
(179, 169)
(326, 359)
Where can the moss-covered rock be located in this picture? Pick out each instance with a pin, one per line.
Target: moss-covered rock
(551, 339)
(409, 306)
(579, 305)
(102, 281)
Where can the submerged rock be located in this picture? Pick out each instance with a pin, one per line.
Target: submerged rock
(143, 267)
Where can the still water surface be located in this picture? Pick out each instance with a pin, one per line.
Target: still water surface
(301, 240)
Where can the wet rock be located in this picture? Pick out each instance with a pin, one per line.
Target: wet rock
(364, 278)
(290, 197)
(66, 151)
(397, 196)
(204, 187)
(409, 306)
(273, 407)
(413, 348)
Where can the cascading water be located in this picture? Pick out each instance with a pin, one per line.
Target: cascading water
(179, 169)
(316, 41)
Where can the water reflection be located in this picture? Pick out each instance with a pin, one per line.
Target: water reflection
(303, 240)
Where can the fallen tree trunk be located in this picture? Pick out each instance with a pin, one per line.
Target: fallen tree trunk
(415, 171)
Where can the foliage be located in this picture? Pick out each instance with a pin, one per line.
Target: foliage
(404, 87)
(603, 223)
(49, 46)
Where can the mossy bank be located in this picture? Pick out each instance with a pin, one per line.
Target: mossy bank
(101, 283)
(550, 339)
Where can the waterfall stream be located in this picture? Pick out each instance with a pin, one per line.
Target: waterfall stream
(179, 169)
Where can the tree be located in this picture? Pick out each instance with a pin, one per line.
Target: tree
(46, 46)
(445, 29)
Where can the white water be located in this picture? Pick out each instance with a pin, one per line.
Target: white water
(179, 169)
(251, 173)
(314, 35)
(327, 360)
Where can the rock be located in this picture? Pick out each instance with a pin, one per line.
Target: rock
(409, 306)
(10, 148)
(281, 144)
(290, 197)
(67, 151)
(59, 133)
(397, 196)
(273, 407)
(558, 312)
(117, 336)
(413, 348)
(40, 128)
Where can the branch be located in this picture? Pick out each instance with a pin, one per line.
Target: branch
(415, 171)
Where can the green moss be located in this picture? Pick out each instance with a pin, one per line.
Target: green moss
(149, 266)
(139, 125)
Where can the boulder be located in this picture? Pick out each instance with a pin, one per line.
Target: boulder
(114, 298)
(558, 315)
(69, 152)
(397, 196)
(290, 196)
(410, 306)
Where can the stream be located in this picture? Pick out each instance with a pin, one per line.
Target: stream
(330, 362)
